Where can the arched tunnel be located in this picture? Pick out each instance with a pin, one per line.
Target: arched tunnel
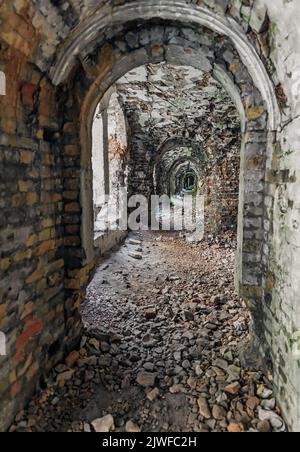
(117, 117)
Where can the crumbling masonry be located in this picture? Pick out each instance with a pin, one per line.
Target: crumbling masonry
(57, 62)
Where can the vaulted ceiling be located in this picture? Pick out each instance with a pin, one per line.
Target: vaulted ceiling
(172, 100)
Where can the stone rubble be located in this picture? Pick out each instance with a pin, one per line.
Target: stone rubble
(177, 370)
(104, 425)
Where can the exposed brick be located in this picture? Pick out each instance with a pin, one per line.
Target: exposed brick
(23, 255)
(45, 247)
(31, 198)
(5, 264)
(72, 359)
(16, 388)
(27, 157)
(32, 371)
(28, 92)
(30, 331)
(35, 276)
(73, 207)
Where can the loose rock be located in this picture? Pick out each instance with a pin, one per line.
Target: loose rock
(104, 425)
(131, 427)
(146, 378)
(204, 408)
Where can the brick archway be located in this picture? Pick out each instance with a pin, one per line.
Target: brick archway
(171, 143)
(183, 13)
(177, 164)
(108, 63)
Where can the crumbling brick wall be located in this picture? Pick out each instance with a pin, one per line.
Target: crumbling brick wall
(44, 266)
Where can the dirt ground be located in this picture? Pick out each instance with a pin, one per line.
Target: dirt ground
(162, 327)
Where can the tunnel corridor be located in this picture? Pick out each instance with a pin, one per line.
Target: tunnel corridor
(149, 215)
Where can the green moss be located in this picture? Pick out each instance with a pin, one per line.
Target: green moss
(273, 28)
(272, 32)
(246, 17)
(289, 152)
(246, 12)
